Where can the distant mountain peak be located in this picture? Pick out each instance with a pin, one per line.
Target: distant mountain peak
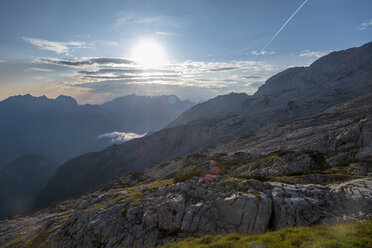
(66, 100)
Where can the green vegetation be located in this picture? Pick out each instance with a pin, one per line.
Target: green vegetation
(239, 154)
(279, 153)
(225, 165)
(157, 184)
(136, 175)
(366, 161)
(266, 159)
(184, 176)
(258, 177)
(14, 242)
(243, 138)
(354, 234)
(63, 206)
(306, 172)
(198, 155)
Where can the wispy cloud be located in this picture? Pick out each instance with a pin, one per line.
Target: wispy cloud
(83, 62)
(251, 77)
(228, 68)
(283, 26)
(37, 69)
(366, 25)
(120, 137)
(143, 20)
(106, 78)
(3, 61)
(167, 33)
(262, 52)
(313, 54)
(55, 46)
(111, 43)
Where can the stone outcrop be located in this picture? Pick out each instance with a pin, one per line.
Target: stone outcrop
(151, 215)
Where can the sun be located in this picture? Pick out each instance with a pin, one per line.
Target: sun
(149, 54)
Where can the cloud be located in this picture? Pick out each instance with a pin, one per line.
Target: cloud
(124, 71)
(313, 54)
(120, 137)
(189, 73)
(111, 43)
(167, 33)
(83, 62)
(144, 20)
(230, 68)
(37, 69)
(262, 52)
(3, 61)
(187, 69)
(57, 47)
(366, 25)
(251, 77)
(106, 78)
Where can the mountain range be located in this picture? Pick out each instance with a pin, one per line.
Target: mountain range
(292, 94)
(61, 129)
(296, 153)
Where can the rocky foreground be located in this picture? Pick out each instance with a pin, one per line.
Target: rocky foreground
(316, 170)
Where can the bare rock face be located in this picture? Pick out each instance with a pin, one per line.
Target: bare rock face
(170, 213)
(344, 128)
(283, 162)
(213, 108)
(299, 205)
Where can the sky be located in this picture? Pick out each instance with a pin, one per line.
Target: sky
(98, 50)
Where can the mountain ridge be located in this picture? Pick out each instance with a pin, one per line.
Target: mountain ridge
(324, 179)
(63, 129)
(252, 116)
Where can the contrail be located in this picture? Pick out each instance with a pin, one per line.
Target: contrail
(280, 29)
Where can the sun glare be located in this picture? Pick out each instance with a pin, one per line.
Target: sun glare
(149, 54)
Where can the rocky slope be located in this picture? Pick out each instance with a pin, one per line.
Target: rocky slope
(292, 94)
(315, 170)
(219, 106)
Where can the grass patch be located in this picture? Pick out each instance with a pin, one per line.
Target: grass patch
(184, 176)
(306, 172)
(198, 155)
(279, 153)
(135, 197)
(136, 175)
(366, 161)
(354, 234)
(62, 206)
(243, 138)
(157, 184)
(258, 177)
(225, 165)
(15, 242)
(239, 154)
